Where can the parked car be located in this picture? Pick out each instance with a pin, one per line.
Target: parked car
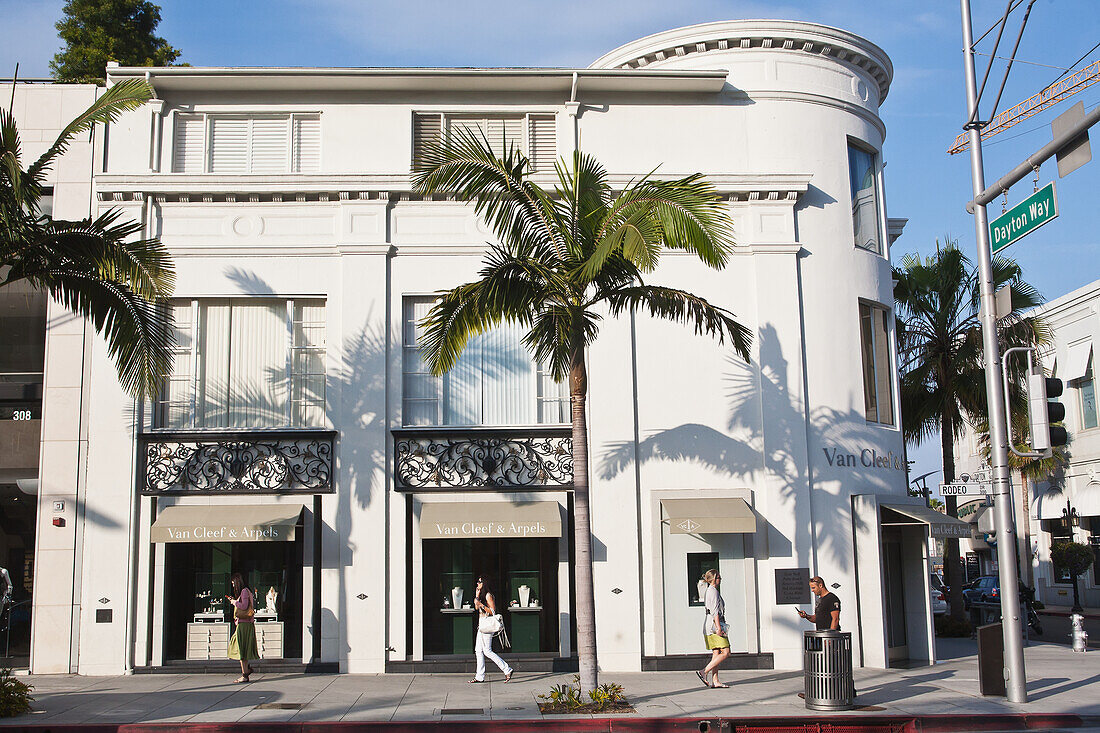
(986, 588)
(938, 596)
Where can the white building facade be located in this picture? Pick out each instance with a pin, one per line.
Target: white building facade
(1066, 505)
(301, 441)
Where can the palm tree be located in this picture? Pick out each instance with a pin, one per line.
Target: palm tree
(94, 267)
(940, 357)
(564, 259)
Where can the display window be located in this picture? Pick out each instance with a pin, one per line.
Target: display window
(197, 615)
(524, 583)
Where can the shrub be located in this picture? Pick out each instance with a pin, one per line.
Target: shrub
(950, 627)
(15, 695)
(606, 695)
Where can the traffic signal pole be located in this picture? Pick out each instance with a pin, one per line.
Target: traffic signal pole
(1015, 683)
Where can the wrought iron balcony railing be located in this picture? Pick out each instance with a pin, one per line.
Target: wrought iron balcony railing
(237, 462)
(443, 459)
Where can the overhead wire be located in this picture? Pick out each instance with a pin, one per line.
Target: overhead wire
(1074, 64)
(985, 77)
(1012, 6)
(1020, 35)
(1032, 63)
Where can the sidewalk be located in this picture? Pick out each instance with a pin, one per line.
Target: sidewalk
(1060, 681)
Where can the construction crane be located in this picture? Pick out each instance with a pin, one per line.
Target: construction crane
(1052, 95)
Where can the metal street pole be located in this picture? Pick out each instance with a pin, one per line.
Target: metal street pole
(1015, 683)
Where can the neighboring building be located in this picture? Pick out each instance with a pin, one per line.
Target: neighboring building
(300, 412)
(1067, 506)
(41, 111)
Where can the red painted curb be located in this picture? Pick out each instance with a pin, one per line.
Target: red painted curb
(808, 724)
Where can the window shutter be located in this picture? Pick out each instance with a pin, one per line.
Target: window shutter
(229, 145)
(511, 134)
(270, 150)
(427, 128)
(187, 148)
(542, 142)
(306, 155)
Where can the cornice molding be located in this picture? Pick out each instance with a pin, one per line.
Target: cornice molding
(383, 189)
(779, 36)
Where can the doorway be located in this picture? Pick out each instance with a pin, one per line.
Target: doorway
(897, 641)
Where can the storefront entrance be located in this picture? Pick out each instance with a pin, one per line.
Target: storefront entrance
(524, 581)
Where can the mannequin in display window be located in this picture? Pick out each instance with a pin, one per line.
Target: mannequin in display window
(272, 597)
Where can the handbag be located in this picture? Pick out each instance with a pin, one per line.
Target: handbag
(492, 624)
(245, 614)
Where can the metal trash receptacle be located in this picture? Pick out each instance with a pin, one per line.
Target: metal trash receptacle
(827, 670)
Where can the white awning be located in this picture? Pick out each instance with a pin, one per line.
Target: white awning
(1087, 500)
(1077, 361)
(1049, 504)
(939, 525)
(488, 519)
(709, 516)
(227, 523)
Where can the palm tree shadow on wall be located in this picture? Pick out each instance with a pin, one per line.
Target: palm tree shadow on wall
(770, 441)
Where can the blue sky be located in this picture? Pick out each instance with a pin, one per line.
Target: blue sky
(923, 113)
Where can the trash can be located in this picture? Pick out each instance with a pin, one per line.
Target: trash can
(827, 670)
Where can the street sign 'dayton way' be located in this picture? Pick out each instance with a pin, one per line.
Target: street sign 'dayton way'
(1024, 218)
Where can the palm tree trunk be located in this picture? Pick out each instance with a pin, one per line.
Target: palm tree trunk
(582, 534)
(952, 567)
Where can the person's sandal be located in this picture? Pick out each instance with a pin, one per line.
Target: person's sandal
(241, 680)
(702, 678)
(508, 677)
(476, 682)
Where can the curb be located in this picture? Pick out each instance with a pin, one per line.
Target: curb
(814, 724)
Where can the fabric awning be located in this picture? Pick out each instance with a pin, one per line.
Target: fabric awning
(1049, 504)
(227, 523)
(939, 525)
(709, 516)
(485, 519)
(1077, 361)
(1087, 500)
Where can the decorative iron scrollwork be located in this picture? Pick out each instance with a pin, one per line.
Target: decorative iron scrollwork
(456, 460)
(292, 463)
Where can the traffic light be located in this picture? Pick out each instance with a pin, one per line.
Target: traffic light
(1043, 411)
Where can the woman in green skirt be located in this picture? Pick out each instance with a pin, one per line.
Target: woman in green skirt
(242, 645)
(715, 630)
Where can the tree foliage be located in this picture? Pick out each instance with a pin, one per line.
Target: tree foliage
(1075, 557)
(567, 258)
(98, 31)
(94, 267)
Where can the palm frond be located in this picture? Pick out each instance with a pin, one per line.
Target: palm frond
(519, 212)
(679, 306)
(124, 96)
(139, 333)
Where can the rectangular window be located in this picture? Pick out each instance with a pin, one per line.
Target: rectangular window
(535, 135)
(236, 361)
(698, 564)
(862, 172)
(1086, 396)
(237, 143)
(495, 381)
(877, 364)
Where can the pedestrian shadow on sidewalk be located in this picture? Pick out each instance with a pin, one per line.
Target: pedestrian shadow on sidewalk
(1051, 691)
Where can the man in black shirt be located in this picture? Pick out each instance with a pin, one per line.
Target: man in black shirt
(826, 613)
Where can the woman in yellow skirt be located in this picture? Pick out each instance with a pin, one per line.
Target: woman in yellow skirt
(715, 630)
(242, 645)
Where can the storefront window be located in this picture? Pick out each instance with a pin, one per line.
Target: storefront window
(523, 576)
(699, 563)
(197, 580)
(1086, 391)
(877, 363)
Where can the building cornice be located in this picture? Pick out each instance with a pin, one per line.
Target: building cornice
(189, 188)
(560, 81)
(780, 36)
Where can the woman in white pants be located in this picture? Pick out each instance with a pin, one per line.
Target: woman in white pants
(483, 643)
